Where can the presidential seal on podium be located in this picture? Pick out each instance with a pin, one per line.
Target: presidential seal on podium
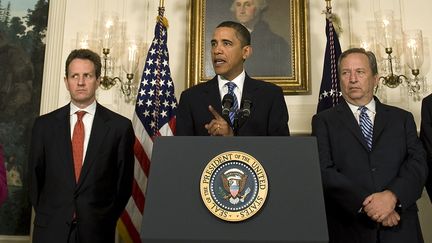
(234, 186)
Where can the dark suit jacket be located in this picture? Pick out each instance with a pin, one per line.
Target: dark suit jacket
(269, 114)
(350, 172)
(104, 186)
(426, 137)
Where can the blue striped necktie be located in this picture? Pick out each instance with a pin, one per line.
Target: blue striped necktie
(366, 126)
(234, 108)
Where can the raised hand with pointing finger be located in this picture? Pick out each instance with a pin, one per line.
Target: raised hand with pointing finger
(218, 126)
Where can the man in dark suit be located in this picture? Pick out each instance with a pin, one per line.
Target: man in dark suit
(200, 106)
(80, 166)
(373, 165)
(426, 137)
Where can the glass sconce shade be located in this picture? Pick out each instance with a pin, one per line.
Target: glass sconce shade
(130, 56)
(108, 27)
(413, 48)
(385, 28)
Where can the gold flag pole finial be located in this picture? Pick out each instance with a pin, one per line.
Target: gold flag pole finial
(161, 3)
(328, 2)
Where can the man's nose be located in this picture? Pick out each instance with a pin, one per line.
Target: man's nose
(353, 77)
(217, 49)
(81, 80)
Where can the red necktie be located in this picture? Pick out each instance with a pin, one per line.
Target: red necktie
(78, 144)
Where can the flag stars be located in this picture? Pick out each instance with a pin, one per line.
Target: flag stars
(142, 92)
(150, 61)
(325, 93)
(140, 102)
(153, 82)
(169, 83)
(173, 105)
(160, 92)
(164, 113)
(144, 82)
(166, 103)
(165, 63)
(155, 42)
(148, 103)
(167, 93)
(151, 93)
(163, 72)
(146, 113)
(147, 72)
(152, 124)
(156, 72)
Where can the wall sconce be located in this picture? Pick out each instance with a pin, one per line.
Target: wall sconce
(388, 36)
(413, 51)
(118, 55)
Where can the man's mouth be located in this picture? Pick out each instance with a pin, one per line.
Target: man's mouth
(218, 61)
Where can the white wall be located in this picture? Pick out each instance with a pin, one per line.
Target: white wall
(140, 16)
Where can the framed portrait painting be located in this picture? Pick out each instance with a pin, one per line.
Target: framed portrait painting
(279, 39)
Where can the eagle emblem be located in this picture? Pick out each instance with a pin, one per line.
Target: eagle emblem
(234, 181)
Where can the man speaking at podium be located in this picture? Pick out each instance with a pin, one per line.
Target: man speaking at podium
(213, 108)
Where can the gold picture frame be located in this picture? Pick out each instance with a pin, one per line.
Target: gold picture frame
(206, 14)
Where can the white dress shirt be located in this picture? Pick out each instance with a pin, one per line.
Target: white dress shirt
(87, 120)
(239, 81)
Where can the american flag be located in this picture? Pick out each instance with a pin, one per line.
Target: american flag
(330, 94)
(155, 115)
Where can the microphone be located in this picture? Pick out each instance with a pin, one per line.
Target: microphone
(227, 103)
(246, 110)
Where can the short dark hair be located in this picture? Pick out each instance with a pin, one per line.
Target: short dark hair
(85, 54)
(241, 32)
(370, 55)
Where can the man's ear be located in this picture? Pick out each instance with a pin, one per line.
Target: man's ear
(247, 52)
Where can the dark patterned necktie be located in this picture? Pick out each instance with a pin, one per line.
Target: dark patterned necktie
(366, 126)
(78, 144)
(234, 108)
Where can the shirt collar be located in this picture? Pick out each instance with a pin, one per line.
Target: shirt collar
(91, 109)
(371, 106)
(239, 81)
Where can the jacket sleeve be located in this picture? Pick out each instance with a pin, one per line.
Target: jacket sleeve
(184, 121)
(278, 116)
(408, 184)
(125, 162)
(426, 138)
(36, 163)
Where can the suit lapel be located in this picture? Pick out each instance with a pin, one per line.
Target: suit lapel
(380, 122)
(65, 144)
(211, 92)
(351, 123)
(250, 87)
(97, 136)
